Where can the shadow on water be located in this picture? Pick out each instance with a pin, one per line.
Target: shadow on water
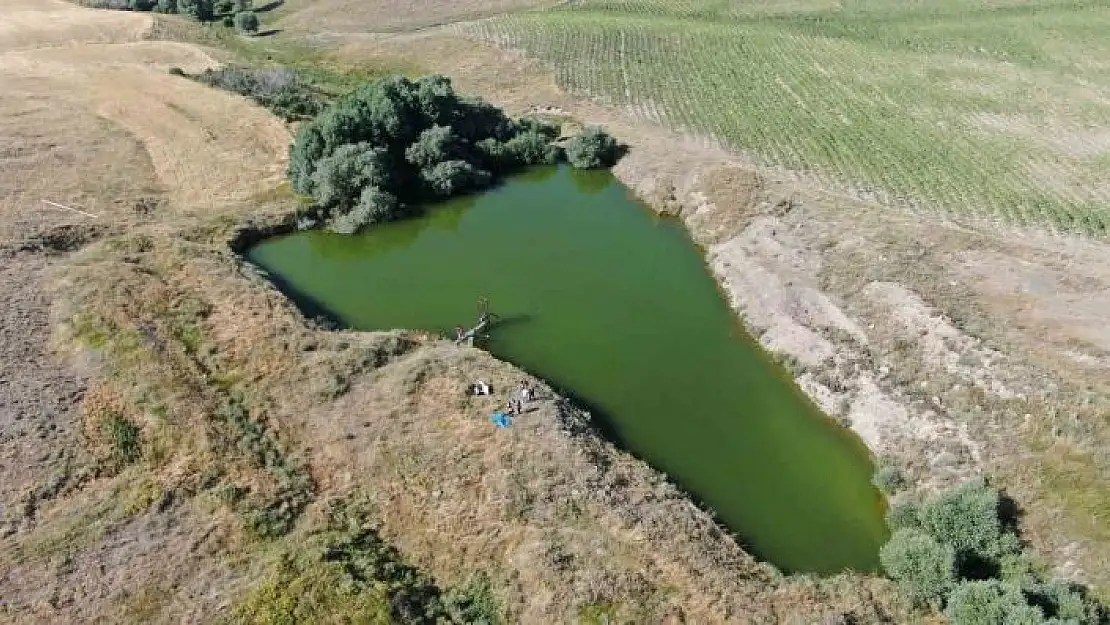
(605, 427)
(311, 307)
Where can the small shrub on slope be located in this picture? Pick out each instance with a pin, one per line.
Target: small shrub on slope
(247, 22)
(924, 568)
(990, 602)
(592, 150)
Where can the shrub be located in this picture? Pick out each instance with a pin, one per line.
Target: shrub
(1066, 602)
(177, 71)
(473, 603)
(142, 5)
(280, 90)
(247, 22)
(924, 568)
(200, 10)
(166, 6)
(228, 21)
(124, 439)
(967, 518)
(592, 149)
(990, 602)
(225, 7)
(243, 5)
(888, 479)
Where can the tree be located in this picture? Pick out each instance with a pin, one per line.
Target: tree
(341, 177)
(200, 10)
(142, 5)
(924, 568)
(243, 5)
(246, 22)
(166, 6)
(374, 206)
(592, 149)
(225, 6)
(435, 145)
(450, 177)
(990, 602)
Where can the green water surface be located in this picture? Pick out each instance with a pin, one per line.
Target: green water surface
(605, 300)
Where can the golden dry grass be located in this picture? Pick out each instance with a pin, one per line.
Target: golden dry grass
(89, 72)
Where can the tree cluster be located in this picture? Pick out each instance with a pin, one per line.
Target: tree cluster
(234, 12)
(960, 550)
(397, 142)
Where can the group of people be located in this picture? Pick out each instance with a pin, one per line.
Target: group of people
(518, 400)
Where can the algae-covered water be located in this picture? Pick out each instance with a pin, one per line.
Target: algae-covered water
(614, 305)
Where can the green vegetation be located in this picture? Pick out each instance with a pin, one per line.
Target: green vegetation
(285, 92)
(345, 573)
(972, 107)
(395, 143)
(266, 515)
(124, 439)
(592, 149)
(247, 22)
(961, 550)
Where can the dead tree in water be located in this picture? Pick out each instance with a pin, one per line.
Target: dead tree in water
(485, 320)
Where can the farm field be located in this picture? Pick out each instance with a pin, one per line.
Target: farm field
(992, 109)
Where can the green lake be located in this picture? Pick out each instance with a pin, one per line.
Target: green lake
(614, 306)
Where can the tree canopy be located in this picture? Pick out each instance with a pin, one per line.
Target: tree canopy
(397, 142)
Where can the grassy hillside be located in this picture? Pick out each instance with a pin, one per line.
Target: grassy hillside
(988, 108)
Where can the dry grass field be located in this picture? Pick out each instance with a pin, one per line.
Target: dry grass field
(973, 347)
(174, 433)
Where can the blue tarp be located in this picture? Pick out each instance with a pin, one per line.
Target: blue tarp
(501, 420)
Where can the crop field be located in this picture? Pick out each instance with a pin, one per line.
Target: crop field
(995, 109)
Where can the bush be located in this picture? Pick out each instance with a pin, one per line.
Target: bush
(142, 5)
(166, 6)
(124, 440)
(888, 479)
(1066, 602)
(282, 91)
(225, 7)
(243, 5)
(990, 602)
(592, 150)
(967, 518)
(200, 10)
(967, 528)
(473, 603)
(247, 22)
(924, 568)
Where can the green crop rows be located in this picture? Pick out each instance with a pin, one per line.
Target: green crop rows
(995, 108)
